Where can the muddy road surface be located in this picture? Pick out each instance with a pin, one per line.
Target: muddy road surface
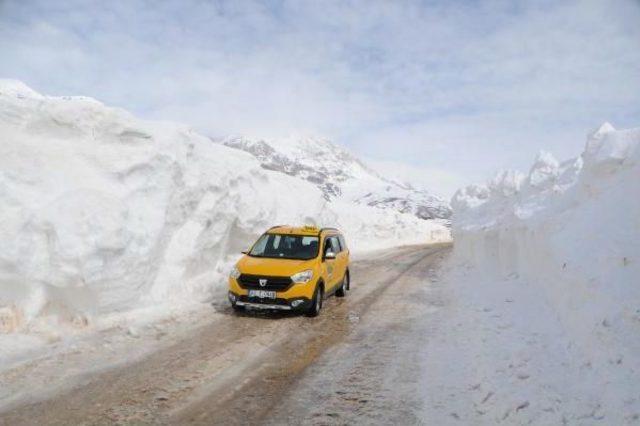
(359, 362)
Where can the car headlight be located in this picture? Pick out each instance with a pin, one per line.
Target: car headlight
(302, 277)
(235, 273)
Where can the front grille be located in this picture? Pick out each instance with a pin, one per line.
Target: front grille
(273, 283)
(278, 301)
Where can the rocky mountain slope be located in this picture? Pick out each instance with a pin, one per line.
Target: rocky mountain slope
(340, 175)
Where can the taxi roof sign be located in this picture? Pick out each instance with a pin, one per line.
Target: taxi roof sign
(287, 229)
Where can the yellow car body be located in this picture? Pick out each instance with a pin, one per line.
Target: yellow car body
(291, 268)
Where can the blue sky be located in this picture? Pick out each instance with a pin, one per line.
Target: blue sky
(445, 92)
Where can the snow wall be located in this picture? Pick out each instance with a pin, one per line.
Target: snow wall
(102, 212)
(572, 229)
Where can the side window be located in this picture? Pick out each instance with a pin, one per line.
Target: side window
(327, 245)
(343, 243)
(335, 244)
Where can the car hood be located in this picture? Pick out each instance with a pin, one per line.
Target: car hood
(272, 267)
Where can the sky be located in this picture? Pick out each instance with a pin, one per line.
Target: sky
(442, 93)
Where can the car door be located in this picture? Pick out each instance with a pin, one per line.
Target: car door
(343, 257)
(340, 262)
(329, 265)
(344, 251)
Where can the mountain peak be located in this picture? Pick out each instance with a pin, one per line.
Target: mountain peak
(339, 174)
(16, 88)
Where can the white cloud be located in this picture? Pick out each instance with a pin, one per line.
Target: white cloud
(464, 87)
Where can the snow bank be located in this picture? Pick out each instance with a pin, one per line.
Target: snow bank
(370, 228)
(571, 229)
(103, 212)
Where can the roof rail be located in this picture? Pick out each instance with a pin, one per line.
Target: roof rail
(328, 229)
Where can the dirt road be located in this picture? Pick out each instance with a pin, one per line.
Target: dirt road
(359, 362)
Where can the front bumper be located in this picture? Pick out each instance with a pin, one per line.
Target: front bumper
(279, 304)
(266, 306)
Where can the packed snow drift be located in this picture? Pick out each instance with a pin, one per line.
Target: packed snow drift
(555, 256)
(574, 227)
(103, 212)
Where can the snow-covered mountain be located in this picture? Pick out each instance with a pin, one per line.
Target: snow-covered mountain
(340, 175)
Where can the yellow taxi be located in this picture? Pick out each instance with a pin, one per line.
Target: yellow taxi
(291, 268)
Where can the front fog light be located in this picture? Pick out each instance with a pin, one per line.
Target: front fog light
(302, 277)
(296, 303)
(232, 297)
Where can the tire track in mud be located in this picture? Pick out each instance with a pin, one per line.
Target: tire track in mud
(252, 401)
(374, 375)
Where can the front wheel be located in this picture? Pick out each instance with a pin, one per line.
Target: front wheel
(316, 302)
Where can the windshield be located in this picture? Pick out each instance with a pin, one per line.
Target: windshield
(286, 246)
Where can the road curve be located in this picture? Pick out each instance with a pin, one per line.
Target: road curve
(357, 363)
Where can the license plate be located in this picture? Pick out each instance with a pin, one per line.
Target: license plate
(262, 294)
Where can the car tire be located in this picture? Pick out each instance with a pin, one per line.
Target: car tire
(342, 291)
(346, 282)
(316, 302)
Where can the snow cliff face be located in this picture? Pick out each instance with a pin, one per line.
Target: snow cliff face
(103, 212)
(571, 231)
(340, 175)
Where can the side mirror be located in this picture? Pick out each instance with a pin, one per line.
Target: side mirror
(329, 255)
(245, 252)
